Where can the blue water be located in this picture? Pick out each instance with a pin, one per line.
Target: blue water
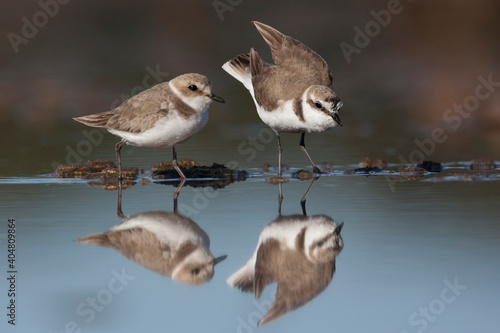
(402, 250)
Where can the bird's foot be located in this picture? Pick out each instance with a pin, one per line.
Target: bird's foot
(317, 170)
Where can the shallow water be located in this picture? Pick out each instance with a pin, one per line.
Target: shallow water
(403, 250)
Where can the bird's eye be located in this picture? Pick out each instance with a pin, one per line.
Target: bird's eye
(195, 271)
(318, 105)
(193, 87)
(320, 243)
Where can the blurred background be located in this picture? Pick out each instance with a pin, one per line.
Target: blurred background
(87, 57)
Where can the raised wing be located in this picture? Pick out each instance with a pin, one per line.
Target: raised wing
(292, 55)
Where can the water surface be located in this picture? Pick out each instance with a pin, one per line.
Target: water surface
(402, 249)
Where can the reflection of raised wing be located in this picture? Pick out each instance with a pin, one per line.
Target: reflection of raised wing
(297, 252)
(164, 242)
(299, 279)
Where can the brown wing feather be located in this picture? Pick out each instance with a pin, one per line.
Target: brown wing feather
(144, 248)
(140, 112)
(290, 57)
(137, 114)
(256, 64)
(265, 265)
(296, 67)
(275, 84)
(295, 56)
(273, 37)
(138, 245)
(301, 282)
(299, 279)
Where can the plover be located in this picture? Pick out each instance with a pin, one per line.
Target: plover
(163, 116)
(295, 94)
(168, 243)
(298, 252)
(164, 242)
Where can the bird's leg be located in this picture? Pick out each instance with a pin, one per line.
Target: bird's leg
(303, 200)
(280, 149)
(176, 166)
(176, 193)
(280, 199)
(118, 148)
(119, 211)
(303, 147)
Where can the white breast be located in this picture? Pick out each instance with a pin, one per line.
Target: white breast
(284, 119)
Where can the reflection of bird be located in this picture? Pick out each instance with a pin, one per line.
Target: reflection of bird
(165, 242)
(162, 116)
(295, 94)
(298, 252)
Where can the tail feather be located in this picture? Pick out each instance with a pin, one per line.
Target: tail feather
(95, 120)
(239, 68)
(96, 239)
(242, 279)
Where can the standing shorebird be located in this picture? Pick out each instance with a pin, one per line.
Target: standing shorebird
(163, 116)
(295, 94)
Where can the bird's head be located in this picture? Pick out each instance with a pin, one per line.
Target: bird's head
(324, 100)
(195, 90)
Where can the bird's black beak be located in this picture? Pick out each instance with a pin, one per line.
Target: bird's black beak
(338, 229)
(336, 118)
(219, 259)
(216, 98)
